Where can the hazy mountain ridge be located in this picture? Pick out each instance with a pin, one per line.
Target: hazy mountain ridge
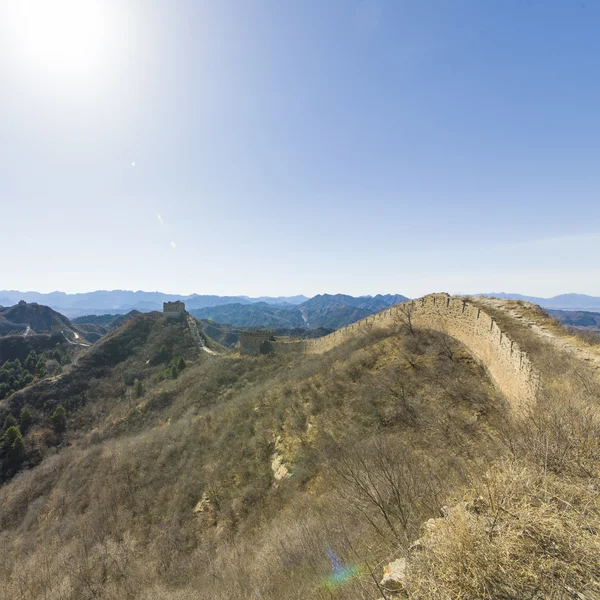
(560, 302)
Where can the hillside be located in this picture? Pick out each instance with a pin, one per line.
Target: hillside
(19, 346)
(36, 318)
(303, 475)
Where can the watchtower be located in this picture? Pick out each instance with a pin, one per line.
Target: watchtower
(174, 310)
(256, 341)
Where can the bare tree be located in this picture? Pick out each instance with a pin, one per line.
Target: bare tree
(390, 485)
(404, 315)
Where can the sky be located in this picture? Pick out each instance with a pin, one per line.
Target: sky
(262, 147)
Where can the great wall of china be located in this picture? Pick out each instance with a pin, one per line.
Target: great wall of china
(508, 365)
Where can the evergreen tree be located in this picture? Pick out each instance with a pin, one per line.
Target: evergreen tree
(25, 420)
(41, 368)
(31, 362)
(9, 422)
(138, 388)
(12, 444)
(180, 364)
(163, 354)
(59, 419)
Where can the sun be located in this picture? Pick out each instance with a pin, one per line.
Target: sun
(61, 35)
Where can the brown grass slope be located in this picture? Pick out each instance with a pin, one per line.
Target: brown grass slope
(300, 477)
(98, 388)
(175, 494)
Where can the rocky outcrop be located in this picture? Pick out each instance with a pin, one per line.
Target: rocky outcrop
(278, 466)
(394, 576)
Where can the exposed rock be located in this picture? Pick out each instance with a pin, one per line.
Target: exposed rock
(394, 575)
(204, 505)
(280, 471)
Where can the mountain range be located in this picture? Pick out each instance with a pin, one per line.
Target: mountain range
(123, 301)
(324, 310)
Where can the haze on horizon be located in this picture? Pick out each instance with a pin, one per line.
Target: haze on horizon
(266, 148)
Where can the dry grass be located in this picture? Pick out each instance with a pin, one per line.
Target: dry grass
(112, 515)
(523, 533)
(377, 434)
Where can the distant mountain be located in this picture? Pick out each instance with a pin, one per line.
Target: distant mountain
(561, 302)
(285, 300)
(259, 314)
(330, 311)
(369, 303)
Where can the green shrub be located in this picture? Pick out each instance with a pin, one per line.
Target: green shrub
(138, 389)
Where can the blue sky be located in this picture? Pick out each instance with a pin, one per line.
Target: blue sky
(266, 147)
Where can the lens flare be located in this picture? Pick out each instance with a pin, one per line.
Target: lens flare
(341, 574)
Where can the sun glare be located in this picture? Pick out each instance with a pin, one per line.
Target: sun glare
(61, 35)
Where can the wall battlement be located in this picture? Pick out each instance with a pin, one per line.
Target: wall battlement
(508, 365)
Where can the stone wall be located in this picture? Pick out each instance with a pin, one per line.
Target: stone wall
(508, 366)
